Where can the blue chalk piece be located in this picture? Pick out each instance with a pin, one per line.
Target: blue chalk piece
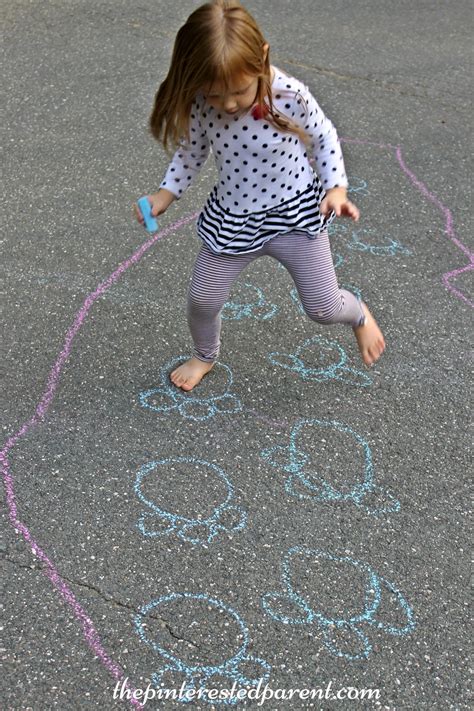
(145, 208)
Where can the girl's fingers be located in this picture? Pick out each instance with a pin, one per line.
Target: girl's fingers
(353, 211)
(138, 214)
(346, 208)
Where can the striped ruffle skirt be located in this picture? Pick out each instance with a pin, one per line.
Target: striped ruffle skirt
(226, 232)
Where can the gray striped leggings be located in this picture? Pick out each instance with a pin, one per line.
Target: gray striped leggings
(309, 262)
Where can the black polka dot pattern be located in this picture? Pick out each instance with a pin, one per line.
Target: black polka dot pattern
(261, 168)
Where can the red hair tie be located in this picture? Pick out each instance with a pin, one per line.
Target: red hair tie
(259, 111)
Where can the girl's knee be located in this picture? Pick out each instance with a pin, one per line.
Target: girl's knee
(199, 303)
(325, 314)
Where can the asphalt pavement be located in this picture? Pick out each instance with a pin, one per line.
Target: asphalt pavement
(298, 521)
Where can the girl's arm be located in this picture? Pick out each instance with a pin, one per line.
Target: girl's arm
(327, 154)
(185, 165)
(189, 157)
(325, 146)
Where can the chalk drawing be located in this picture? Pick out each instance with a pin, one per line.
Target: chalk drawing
(357, 186)
(337, 631)
(258, 309)
(338, 260)
(225, 517)
(449, 230)
(89, 632)
(200, 676)
(338, 228)
(304, 483)
(168, 398)
(389, 249)
(330, 351)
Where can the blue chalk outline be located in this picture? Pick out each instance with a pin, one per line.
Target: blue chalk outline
(295, 461)
(391, 249)
(360, 189)
(372, 598)
(241, 311)
(338, 260)
(337, 371)
(185, 402)
(338, 228)
(181, 522)
(228, 668)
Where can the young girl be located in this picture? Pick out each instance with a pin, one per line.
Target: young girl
(223, 95)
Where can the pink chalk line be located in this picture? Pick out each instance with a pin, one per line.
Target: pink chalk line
(90, 634)
(449, 228)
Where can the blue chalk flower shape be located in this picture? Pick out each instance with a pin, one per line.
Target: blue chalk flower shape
(257, 308)
(226, 517)
(357, 186)
(337, 229)
(168, 398)
(201, 677)
(389, 247)
(331, 352)
(343, 636)
(305, 483)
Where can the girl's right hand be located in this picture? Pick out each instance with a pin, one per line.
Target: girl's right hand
(159, 203)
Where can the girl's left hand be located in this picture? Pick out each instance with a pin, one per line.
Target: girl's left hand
(336, 199)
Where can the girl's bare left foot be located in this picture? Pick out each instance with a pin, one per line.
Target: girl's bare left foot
(190, 373)
(369, 338)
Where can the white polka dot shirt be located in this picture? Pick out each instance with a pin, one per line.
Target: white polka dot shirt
(266, 184)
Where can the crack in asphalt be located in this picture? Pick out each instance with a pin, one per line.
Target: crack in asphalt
(105, 597)
(422, 93)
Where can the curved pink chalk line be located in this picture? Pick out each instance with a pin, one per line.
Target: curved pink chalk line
(90, 634)
(449, 228)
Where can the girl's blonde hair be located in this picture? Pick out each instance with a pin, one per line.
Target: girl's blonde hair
(219, 41)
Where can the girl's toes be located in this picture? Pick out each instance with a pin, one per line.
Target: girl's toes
(176, 377)
(375, 353)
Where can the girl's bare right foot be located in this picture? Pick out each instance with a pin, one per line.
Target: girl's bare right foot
(189, 374)
(369, 338)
